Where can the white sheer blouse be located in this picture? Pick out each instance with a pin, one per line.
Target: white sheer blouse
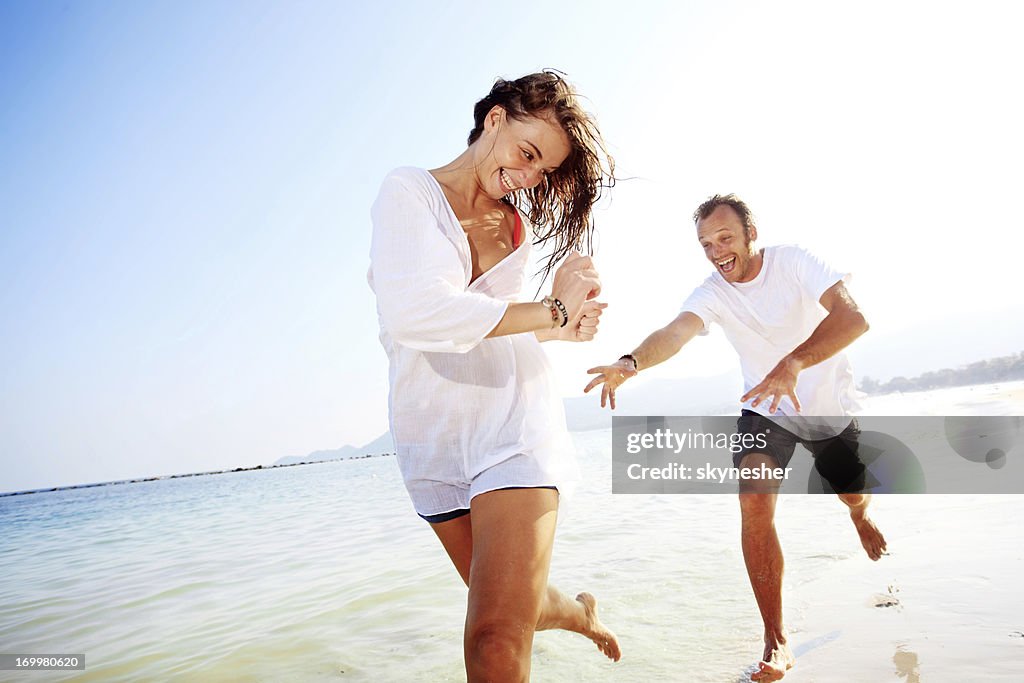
(458, 403)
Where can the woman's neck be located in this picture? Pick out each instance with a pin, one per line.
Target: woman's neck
(460, 179)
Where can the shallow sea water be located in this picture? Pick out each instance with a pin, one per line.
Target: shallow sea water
(323, 572)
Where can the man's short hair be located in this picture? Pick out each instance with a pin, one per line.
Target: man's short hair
(731, 200)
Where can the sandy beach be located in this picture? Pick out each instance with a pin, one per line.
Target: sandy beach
(944, 605)
(1003, 398)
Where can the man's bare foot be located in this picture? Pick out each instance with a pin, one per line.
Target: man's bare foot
(778, 659)
(593, 628)
(870, 537)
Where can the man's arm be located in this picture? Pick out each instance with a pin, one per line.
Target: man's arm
(841, 326)
(659, 346)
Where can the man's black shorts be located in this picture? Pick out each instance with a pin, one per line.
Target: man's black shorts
(835, 458)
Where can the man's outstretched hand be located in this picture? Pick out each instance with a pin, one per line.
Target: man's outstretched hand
(611, 378)
(781, 381)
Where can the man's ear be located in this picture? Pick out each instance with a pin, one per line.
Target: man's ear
(752, 234)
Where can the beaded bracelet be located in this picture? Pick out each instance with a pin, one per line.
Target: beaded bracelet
(558, 311)
(565, 313)
(549, 301)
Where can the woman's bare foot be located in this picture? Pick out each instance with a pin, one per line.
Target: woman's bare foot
(605, 640)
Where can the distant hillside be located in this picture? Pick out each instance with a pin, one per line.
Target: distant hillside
(1002, 369)
(700, 396)
(318, 456)
(657, 396)
(379, 446)
(705, 396)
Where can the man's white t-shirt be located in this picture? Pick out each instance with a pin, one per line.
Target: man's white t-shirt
(771, 315)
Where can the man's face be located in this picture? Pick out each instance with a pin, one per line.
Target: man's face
(727, 246)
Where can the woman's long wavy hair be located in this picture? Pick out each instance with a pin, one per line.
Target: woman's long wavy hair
(560, 206)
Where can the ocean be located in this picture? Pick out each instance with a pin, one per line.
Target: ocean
(323, 572)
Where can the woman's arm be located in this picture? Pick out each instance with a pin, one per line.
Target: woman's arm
(583, 328)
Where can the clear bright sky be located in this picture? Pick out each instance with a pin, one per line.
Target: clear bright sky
(185, 192)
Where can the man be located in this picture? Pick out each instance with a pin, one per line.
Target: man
(789, 316)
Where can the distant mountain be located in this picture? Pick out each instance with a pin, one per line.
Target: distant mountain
(717, 395)
(967, 337)
(319, 456)
(382, 444)
(658, 396)
(1002, 369)
(379, 446)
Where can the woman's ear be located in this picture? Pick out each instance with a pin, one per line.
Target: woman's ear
(494, 118)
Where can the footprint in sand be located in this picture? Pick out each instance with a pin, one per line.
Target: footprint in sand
(887, 599)
(906, 665)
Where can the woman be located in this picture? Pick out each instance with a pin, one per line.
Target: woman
(479, 430)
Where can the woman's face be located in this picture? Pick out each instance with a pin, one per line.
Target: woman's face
(515, 155)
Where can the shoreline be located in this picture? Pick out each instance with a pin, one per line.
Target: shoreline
(142, 480)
